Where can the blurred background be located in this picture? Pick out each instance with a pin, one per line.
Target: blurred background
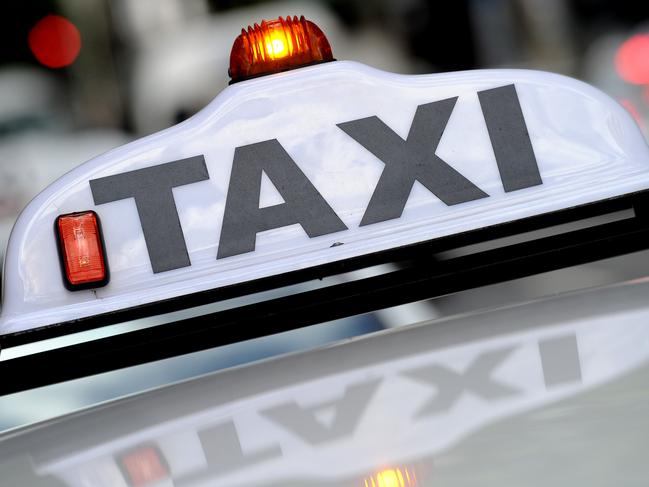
(79, 77)
(108, 71)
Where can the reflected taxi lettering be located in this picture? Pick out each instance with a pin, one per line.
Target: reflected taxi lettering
(406, 162)
(445, 386)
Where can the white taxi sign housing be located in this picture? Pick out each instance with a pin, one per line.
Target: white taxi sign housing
(319, 165)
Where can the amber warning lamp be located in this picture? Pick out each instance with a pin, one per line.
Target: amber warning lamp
(277, 45)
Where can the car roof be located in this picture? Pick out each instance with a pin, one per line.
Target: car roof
(407, 396)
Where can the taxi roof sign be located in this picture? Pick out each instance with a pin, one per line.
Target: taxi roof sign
(316, 166)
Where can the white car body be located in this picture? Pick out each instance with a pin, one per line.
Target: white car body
(544, 392)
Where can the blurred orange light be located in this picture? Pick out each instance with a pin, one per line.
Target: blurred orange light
(392, 477)
(277, 45)
(632, 59)
(55, 41)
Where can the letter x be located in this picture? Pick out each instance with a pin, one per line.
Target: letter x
(410, 160)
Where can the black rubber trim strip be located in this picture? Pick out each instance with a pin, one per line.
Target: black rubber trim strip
(422, 251)
(426, 279)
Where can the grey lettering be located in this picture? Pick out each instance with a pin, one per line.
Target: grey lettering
(223, 451)
(509, 138)
(410, 160)
(560, 360)
(303, 422)
(243, 218)
(451, 385)
(151, 188)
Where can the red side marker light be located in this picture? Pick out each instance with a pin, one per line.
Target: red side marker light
(277, 45)
(81, 249)
(143, 466)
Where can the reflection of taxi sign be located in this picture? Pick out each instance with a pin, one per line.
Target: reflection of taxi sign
(401, 405)
(314, 168)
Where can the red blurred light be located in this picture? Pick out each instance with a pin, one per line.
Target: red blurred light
(277, 45)
(82, 250)
(144, 466)
(632, 60)
(55, 41)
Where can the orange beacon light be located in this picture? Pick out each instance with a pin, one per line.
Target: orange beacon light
(277, 45)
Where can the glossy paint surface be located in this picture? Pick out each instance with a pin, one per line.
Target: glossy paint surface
(587, 148)
(547, 393)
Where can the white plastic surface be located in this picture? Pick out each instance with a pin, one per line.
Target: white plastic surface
(587, 148)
